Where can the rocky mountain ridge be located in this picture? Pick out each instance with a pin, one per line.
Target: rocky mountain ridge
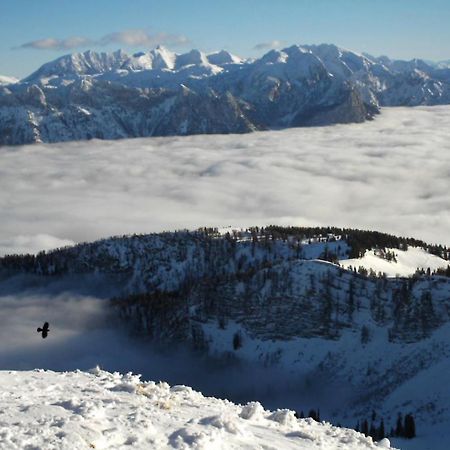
(159, 93)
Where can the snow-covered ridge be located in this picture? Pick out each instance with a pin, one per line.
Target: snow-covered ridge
(119, 64)
(102, 410)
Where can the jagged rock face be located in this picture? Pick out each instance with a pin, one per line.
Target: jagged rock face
(159, 93)
(35, 117)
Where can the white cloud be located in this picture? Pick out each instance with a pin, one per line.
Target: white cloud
(58, 44)
(130, 38)
(268, 45)
(142, 38)
(390, 174)
(32, 244)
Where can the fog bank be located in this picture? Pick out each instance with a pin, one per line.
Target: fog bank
(391, 174)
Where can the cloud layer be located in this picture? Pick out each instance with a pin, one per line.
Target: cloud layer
(391, 174)
(130, 38)
(58, 44)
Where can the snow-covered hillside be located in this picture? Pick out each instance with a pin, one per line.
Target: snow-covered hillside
(101, 410)
(395, 262)
(261, 299)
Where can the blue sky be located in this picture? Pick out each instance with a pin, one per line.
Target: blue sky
(34, 32)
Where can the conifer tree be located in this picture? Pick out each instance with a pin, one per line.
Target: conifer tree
(365, 428)
(399, 428)
(410, 427)
(381, 432)
(237, 341)
(373, 431)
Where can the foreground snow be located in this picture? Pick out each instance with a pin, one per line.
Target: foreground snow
(74, 410)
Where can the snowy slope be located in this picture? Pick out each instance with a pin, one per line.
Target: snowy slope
(7, 80)
(77, 410)
(405, 263)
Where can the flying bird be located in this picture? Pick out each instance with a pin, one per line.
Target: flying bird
(44, 330)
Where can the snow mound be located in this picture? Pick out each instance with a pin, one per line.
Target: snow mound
(394, 262)
(78, 410)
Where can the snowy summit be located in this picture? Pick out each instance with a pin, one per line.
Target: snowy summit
(79, 410)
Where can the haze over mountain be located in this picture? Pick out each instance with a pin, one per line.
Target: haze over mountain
(159, 93)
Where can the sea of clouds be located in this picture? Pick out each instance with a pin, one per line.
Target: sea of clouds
(390, 174)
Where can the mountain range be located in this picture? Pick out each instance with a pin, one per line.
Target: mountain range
(159, 92)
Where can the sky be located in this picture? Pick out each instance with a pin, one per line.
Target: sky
(32, 33)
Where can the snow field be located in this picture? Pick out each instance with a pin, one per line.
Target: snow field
(79, 410)
(405, 265)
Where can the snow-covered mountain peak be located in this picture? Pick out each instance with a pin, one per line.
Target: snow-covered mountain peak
(291, 63)
(77, 64)
(339, 61)
(223, 57)
(193, 58)
(296, 49)
(163, 58)
(325, 51)
(296, 53)
(139, 61)
(159, 58)
(273, 57)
